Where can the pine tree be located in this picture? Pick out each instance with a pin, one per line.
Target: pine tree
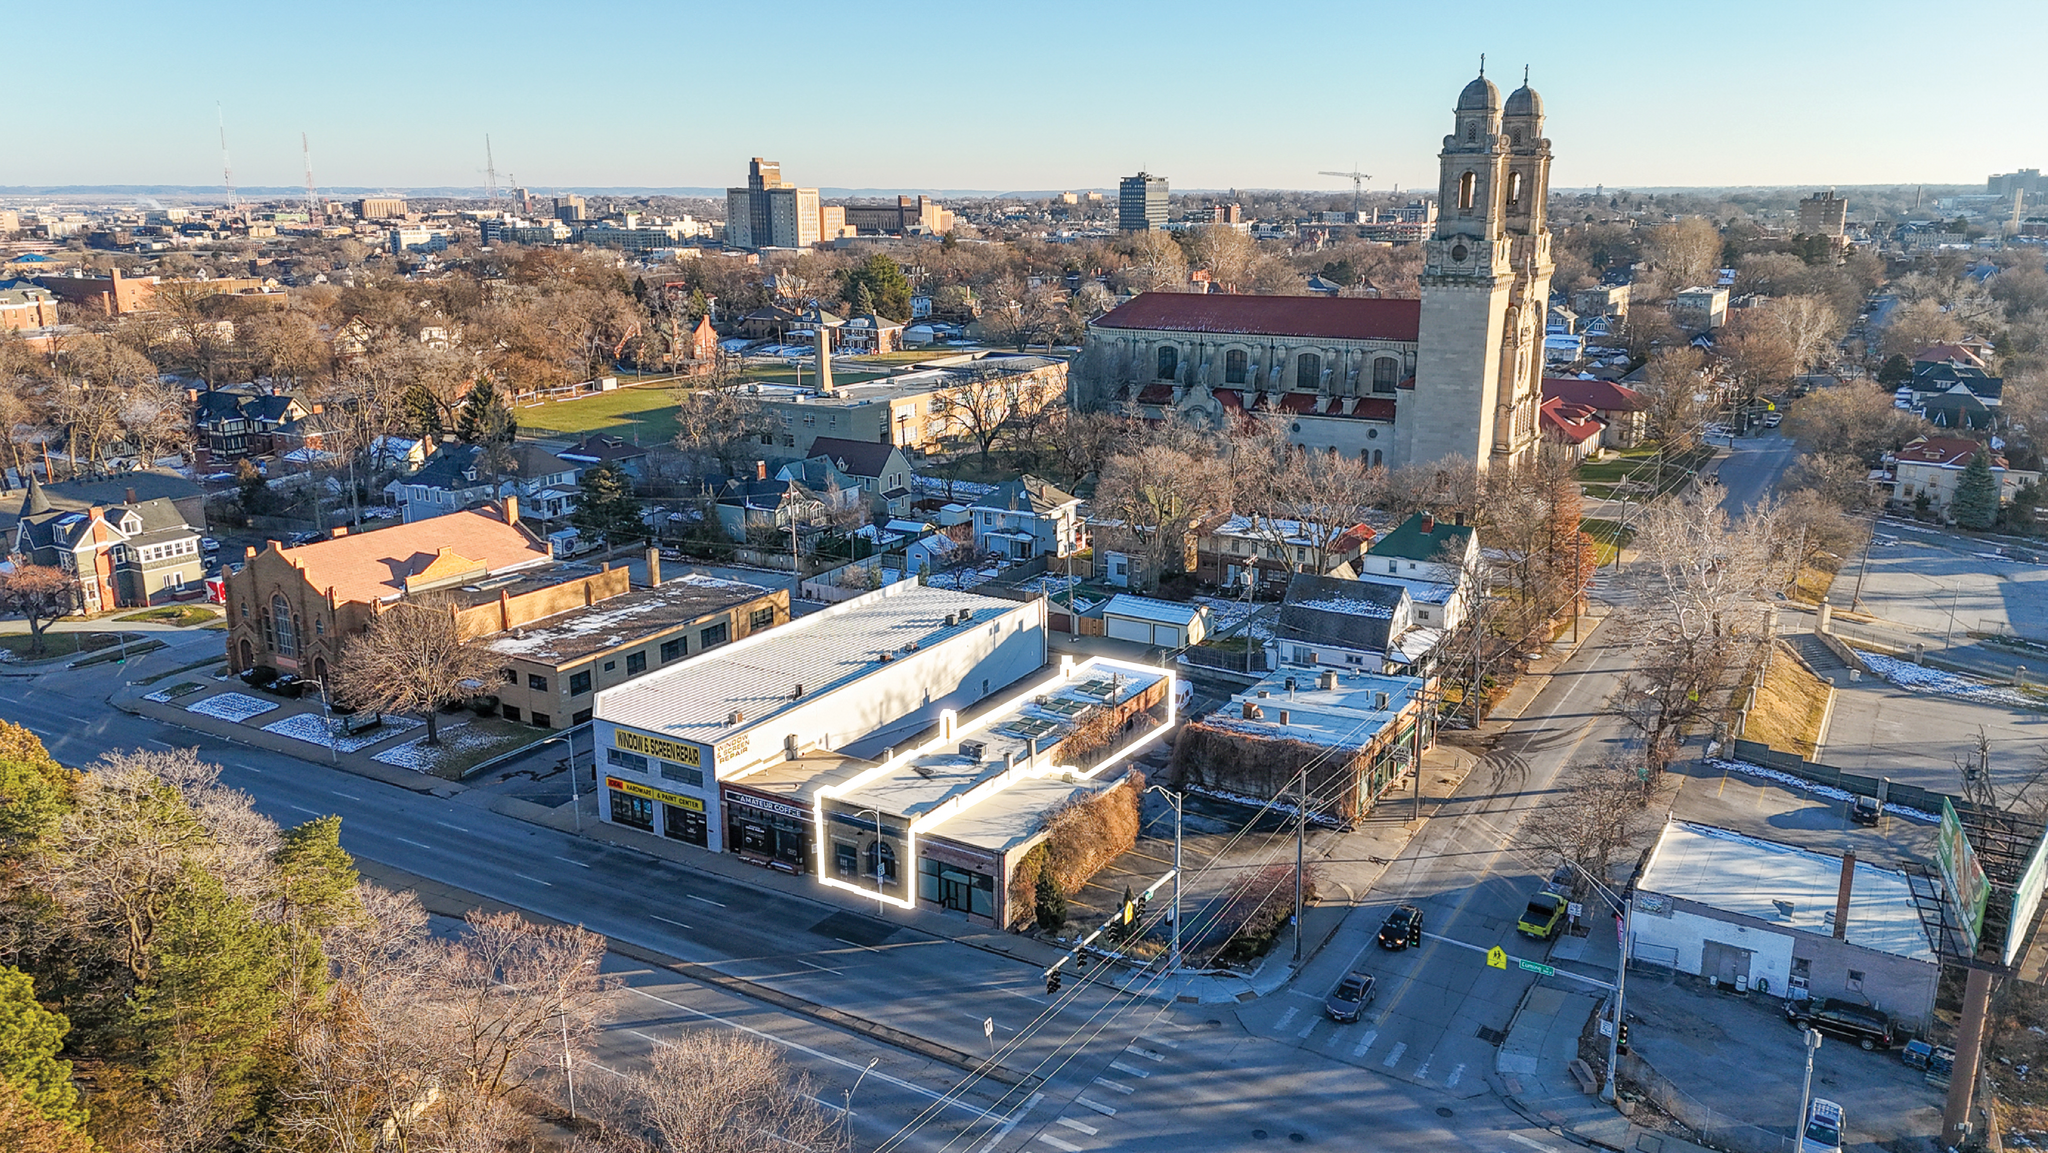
(30, 1038)
(485, 417)
(1052, 904)
(606, 506)
(34, 790)
(1896, 371)
(318, 877)
(1976, 502)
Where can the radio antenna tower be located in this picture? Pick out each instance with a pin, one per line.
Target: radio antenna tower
(227, 171)
(312, 198)
(490, 172)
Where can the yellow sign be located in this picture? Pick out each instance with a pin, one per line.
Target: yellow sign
(667, 798)
(667, 750)
(1497, 957)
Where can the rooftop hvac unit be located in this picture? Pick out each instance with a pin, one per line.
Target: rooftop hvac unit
(1328, 680)
(950, 619)
(973, 750)
(966, 615)
(1379, 701)
(797, 693)
(735, 717)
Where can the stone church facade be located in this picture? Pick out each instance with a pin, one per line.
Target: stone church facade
(1391, 382)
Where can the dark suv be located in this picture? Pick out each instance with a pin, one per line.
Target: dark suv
(1402, 927)
(1866, 1026)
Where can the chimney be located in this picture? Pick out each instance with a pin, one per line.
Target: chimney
(824, 357)
(512, 509)
(1283, 716)
(1428, 522)
(1842, 895)
(653, 567)
(131, 496)
(338, 531)
(760, 470)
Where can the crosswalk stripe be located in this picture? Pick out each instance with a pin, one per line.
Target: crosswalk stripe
(1063, 1146)
(1133, 1070)
(1365, 1043)
(1092, 1103)
(1451, 1082)
(1164, 1041)
(1119, 1086)
(1078, 1127)
(1133, 1049)
(1307, 1029)
(1394, 1054)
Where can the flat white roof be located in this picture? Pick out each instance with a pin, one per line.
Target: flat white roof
(825, 651)
(1346, 717)
(1789, 887)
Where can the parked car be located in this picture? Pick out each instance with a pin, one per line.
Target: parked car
(1865, 811)
(208, 544)
(1866, 1026)
(1350, 997)
(1543, 916)
(1401, 927)
(1823, 1132)
(1773, 419)
(289, 685)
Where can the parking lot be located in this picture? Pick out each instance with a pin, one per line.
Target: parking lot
(1943, 584)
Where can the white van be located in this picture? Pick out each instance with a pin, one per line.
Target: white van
(1823, 1128)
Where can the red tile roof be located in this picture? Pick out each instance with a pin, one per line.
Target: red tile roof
(375, 565)
(1940, 353)
(1319, 317)
(1574, 423)
(1945, 451)
(1598, 395)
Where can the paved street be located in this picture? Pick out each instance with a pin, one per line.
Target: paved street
(1751, 467)
(1106, 1070)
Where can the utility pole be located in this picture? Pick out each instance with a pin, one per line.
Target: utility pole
(227, 170)
(313, 214)
(1856, 600)
(1812, 1039)
(1300, 837)
(1620, 986)
(490, 173)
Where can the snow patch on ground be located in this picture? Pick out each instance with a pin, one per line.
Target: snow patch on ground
(1314, 818)
(237, 707)
(165, 696)
(1226, 615)
(1794, 781)
(417, 756)
(312, 729)
(1908, 675)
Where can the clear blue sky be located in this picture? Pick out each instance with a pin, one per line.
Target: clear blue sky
(1043, 95)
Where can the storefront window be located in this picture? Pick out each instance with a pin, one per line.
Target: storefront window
(772, 835)
(685, 825)
(955, 888)
(631, 810)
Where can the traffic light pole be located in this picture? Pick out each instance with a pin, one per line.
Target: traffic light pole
(1620, 988)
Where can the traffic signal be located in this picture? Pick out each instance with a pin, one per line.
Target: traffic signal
(1415, 932)
(1052, 981)
(1621, 1037)
(1081, 960)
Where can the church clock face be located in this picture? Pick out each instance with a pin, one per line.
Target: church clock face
(1459, 252)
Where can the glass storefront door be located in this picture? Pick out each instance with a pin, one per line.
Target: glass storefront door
(686, 825)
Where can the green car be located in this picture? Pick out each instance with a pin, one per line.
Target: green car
(1543, 916)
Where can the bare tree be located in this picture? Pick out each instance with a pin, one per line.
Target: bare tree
(509, 989)
(983, 407)
(1688, 251)
(712, 1092)
(1158, 493)
(1597, 812)
(1226, 252)
(722, 426)
(414, 659)
(41, 594)
(1679, 390)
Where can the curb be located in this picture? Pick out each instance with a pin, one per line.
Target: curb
(737, 986)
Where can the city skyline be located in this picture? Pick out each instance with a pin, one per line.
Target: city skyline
(1747, 101)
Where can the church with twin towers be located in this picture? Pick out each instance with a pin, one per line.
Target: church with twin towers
(1391, 382)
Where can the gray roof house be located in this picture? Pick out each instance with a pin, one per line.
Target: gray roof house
(453, 478)
(1026, 517)
(1351, 624)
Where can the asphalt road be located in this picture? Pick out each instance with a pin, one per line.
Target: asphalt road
(1752, 468)
(1116, 1072)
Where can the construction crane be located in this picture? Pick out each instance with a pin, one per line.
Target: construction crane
(490, 172)
(1357, 180)
(312, 198)
(227, 171)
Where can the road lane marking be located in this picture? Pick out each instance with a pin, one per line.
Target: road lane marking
(1079, 1126)
(535, 880)
(1001, 1131)
(452, 825)
(1422, 1074)
(1289, 1015)
(1147, 1055)
(1531, 1144)
(1164, 1041)
(1451, 1082)
(560, 857)
(304, 809)
(413, 843)
(1087, 1102)
(665, 920)
(1333, 1039)
(1365, 1043)
(339, 793)
(1307, 1029)
(837, 973)
(1133, 1070)
(1064, 1146)
(1119, 1086)
(706, 900)
(807, 1050)
(164, 743)
(1394, 1054)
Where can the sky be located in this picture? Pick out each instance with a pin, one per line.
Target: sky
(1011, 97)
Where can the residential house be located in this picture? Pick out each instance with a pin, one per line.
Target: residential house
(1952, 395)
(1266, 552)
(239, 421)
(803, 493)
(1123, 561)
(1026, 518)
(456, 477)
(1573, 427)
(1968, 354)
(293, 609)
(603, 448)
(24, 306)
(880, 468)
(131, 554)
(1930, 466)
(1352, 624)
(129, 488)
(869, 333)
(1423, 551)
(1621, 411)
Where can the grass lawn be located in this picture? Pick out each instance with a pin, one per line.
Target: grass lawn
(1602, 478)
(1815, 579)
(57, 645)
(648, 413)
(1789, 705)
(1608, 537)
(184, 616)
(110, 655)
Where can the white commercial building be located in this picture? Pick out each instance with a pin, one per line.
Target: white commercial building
(854, 679)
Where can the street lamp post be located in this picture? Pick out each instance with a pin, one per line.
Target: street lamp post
(119, 639)
(575, 798)
(1620, 993)
(1812, 1040)
(1174, 799)
(846, 1116)
(327, 717)
(881, 899)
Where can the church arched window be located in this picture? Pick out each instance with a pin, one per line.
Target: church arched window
(1169, 362)
(1379, 457)
(287, 635)
(1308, 372)
(1514, 189)
(1385, 370)
(1236, 366)
(1471, 132)
(1468, 185)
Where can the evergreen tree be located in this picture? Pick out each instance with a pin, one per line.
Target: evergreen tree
(317, 877)
(606, 506)
(1051, 903)
(485, 418)
(1897, 370)
(860, 302)
(34, 790)
(1976, 501)
(24, 1129)
(886, 286)
(30, 1038)
(422, 413)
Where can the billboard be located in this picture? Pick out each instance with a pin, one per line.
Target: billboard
(2026, 897)
(1968, 888)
